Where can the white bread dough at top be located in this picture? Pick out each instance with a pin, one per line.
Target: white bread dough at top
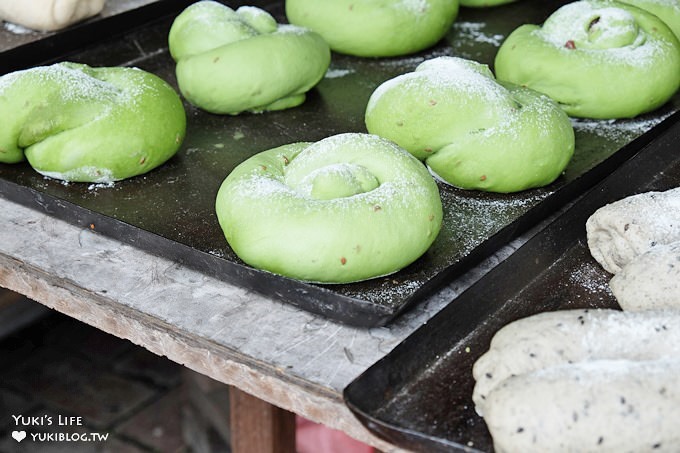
(48, 15)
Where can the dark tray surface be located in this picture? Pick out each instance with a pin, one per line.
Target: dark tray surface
(21, 47)
(420, 395)
(170, 211)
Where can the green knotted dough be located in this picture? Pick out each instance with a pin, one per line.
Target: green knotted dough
(596, 58)
(375, 28)
(229, 62)
(471, 131)
(666, 10)
(78, 123)
(347, 208)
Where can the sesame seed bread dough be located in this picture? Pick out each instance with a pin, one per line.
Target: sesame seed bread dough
(602, 406)
(572, 336)
(582, 380)
(597, 58)
(650, 281)
(78, 123)
(229, 62)
(375, 28)
(621, 231)
(346, 208)
(48, 15)
(666, 10)
(470, 130)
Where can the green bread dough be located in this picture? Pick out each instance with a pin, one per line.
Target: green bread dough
(484, 3)
(471, 131)
(229, 62)
(597, 59)
(83, 124)
(375, 28)
(347, 208)
(666, 10)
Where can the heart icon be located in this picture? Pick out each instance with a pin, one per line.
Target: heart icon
(19, 435)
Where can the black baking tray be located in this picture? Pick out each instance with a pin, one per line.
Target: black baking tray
(419, 396)
(23, 47)
(170, 211)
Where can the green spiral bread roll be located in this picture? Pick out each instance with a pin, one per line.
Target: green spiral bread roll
(347, 208)
(78, 123)
(229, 62)
(375, 28)
(666, 10)
(471, 131)
(596, 58)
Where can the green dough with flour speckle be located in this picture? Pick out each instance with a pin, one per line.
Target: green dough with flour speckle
(666, 10)
(375, 28)
(229, 62)
(484, 3)
(347, 208)
(471, 131)
(78, 123)
(596, 58)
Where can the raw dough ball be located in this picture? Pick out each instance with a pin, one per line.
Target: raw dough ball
(375, 28)
(347, 208)
(472, 131)
(572, 336)
(600, 406)
(621, 231)
(483, 3)
(596, 58)
(78, 123)
(234, 61)
(48, 15)
(650, 281)
(666, 10)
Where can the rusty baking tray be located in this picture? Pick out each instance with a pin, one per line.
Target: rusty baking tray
(419, 396)
(170, 211)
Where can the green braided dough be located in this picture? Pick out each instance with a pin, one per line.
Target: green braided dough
(666, 10)
(596, 58)
(83, 124)
(230, 62)
(471, 131)
(347, 208)
(375, 28)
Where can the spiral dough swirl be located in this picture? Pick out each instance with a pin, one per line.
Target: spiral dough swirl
(596, 58)
(347, 208)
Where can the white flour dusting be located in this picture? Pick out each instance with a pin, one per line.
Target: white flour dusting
(474, 31)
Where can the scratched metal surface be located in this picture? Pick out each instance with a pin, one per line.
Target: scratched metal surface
(170, 211)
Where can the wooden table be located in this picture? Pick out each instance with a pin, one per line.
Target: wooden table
(284, 356)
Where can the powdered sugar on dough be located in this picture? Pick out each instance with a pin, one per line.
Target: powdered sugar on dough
(434, 76)
(572, 336)
(619, 38)
(414, 6)
(621, 231)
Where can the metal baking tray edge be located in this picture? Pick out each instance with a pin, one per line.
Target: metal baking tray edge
(488, 305)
